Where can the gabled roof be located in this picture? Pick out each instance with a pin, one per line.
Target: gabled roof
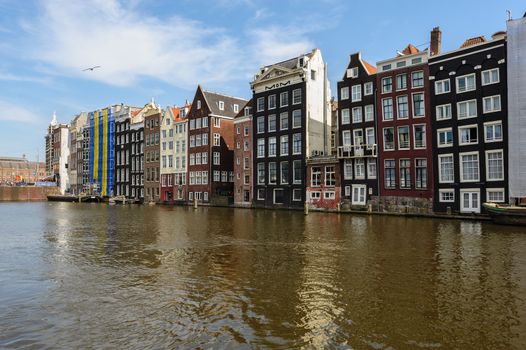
(473, 41)
(292, 62)
(212, 99)
(410, 50)
(241, 113)
(369, 67)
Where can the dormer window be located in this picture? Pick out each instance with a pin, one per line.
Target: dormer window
(236, 108)
(198, 104)
(221, 106)
(301, 61)
(352, 72)
(247, 111)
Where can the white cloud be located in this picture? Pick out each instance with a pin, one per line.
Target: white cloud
(14, 113)
(12, 77)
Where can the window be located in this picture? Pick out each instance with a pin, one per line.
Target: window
(445, 137)
(271, 101)
(390, 175)
(261, 148)
(359, 168)
(198, 104)
(389, 139)
(387, 108)
(192, 159)
(261, 125)
(403, 107)
(192, 124)
(346, 119)
(403, 137)
(217, 158)
(284, 142)
(401, 82)
(467, 109)
(445, 168)
(330, 176)
(271, 146)
(347, 169)
(284, 99)
(469, 167)
(296, 195)
(494, 165)
(421, 173)
(387, 85)
(356, 93)
(495, 195)
(344, 93)
(261, 104)
(261, 194)
(329, 195)
(368, 88)
(352, 72)
(197, 140)
(493, 132)
(296, 118)
(446, 196)
(371, 168)
(238, 130)
(272, 123)
(246, 131)
(466, 83)
(246, 181)
(369, 138)
(405, 173)
(312, 74)
(261, 173)
(272, 173)
(400, 64)
(357, 115)
(284, 121)
(490, 76)
(236, 109)
(418, 105)
(198, 123)
(297, 171)
(284, 173)
(346, 138)
(315, 176)
(315, 195)
(217, 176)
(468, 135)
(491, 104)
(296, 143)
(245, 145)
(217, 122)
(442, 87)
(386, 67)
(296, 96)
(246, 163)
(443, 112)
(217, 139)
(419, 136)
(418, 79)
(205, 138)
(369, 113)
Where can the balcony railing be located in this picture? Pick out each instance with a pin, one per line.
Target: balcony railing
(358, 151)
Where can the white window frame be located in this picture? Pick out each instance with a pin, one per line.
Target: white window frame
(344, 93)
(463, 127)
(461, 199)
(387, 91)
(466, 76)
(446, 190)
(442, 109)
(368, 88)
(368, 113)
(398, 116)
(359, 188)
(440, 179)
(440, 85)
(400, 148)
(461, 168)
(444, 130)
(501, 151)
(357, 112)
(356, 93)
(424, 146)
(492, 126)
(423, 103)
(370, 173)
(468, 110)
(345, 116)
(259, 104)
(492, 102)
(496, 190)
(489, 71)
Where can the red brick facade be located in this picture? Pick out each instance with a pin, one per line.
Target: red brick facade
(243, 158)
(323, 183)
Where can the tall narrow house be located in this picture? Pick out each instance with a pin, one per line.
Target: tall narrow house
(291, 121)
(404, 128)
(152, 130)
(243, 157)
(358, 149)
(211, 147)
(470, 135)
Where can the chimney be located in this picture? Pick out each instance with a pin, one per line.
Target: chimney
(436, 41)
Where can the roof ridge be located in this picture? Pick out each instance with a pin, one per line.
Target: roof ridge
(220, 94)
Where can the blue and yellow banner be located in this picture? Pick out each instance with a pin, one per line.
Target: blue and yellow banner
(102, 144)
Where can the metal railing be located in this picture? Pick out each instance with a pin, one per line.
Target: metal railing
(358, 151)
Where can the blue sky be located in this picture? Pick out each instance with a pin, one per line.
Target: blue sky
(163, 49)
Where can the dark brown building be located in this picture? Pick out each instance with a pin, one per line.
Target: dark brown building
(211, 147)
(152, 119)
(243, 157)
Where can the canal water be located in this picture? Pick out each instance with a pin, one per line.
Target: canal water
(78, 276)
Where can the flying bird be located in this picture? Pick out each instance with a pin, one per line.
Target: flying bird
(91, 68)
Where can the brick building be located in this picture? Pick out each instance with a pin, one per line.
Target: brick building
(243, 157)
(323, 182)
(211, 147)
(152, 119)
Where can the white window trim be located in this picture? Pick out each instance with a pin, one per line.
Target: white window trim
(440, 180)
(413, 104)
(464, 190)
(423, 80)
(394, 139)
(396, 81)
(467, 102)
(365, 113)
(501, 151)
(369, 174)
(442, 83)
(492, 110)
(462, 127)
(382, 83)
(465, 76)
(398, 117)
(353, 202)
(438, 138)
(359, 86)
(500, 189)
(461, 168)
(398, 137)
(489, 70)
(440, 107)
(414, 136)
(383, 111)
(349, 116)
(365, 90)
(346, 88)
(486, 134)
(443, 190)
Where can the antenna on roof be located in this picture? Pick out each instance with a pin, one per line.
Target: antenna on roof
(508, 14)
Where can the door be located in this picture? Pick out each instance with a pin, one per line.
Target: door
(278, 196)
(469, 201)
(358, 194)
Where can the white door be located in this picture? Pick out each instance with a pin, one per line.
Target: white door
(469, 201)
(358, 194)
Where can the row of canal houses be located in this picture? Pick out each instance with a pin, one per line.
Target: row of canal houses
(423, 131)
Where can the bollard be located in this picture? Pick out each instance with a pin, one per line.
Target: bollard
(369, 208)
(306, 208)
(195, 203)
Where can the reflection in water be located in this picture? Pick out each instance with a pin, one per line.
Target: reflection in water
(78, 275)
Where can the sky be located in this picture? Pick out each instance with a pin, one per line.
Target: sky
(163, 49)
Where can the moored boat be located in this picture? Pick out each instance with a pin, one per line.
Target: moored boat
(61, 198)
(506, 214)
